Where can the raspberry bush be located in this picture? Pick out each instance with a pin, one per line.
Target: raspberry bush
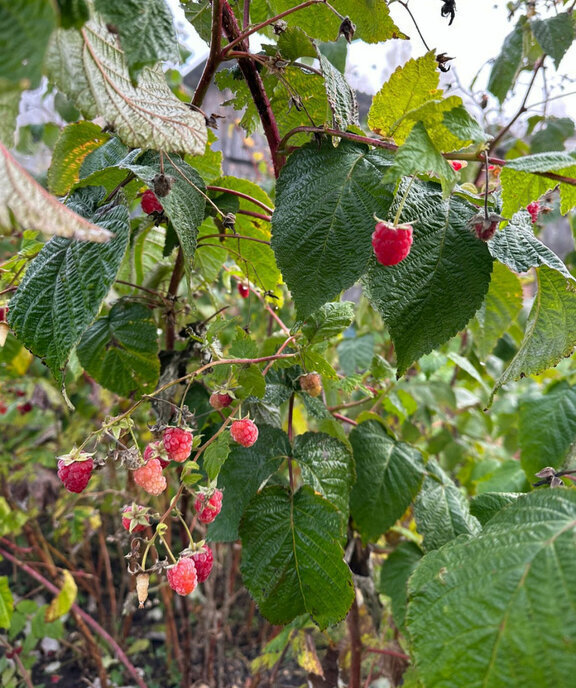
(301, 425)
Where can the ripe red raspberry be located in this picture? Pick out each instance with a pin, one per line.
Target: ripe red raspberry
(244, 432)
(135, 518)
(182, 576)
(457, 165)
(243, 290)
(24, 408)
(150, 204)
(220, 400)
(3, 313)
(534, 210)
(203, 560)
(149, 477)
(178, 443)
(154, 451)
(391, 244)
(311, 383)
(208, 506)
(3, 408)
(74, 470)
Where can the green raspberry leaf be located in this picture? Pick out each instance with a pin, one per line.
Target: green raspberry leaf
(292, 560)
(555, 35)
(324, 219)
(65, 284)
(447, 272)
(506, 64)
(120, 350)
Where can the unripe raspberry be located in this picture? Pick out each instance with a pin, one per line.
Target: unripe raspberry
(182, 576)
(74, 470)
(178, 443)
(208, 505)
(244, 432)
(311, 383)
(220, 400)
(150, 204)
(485, 227)
(135, 518)
(203, 560)
(534, 210)
(391, 243)
(243, 290)
(149, 477)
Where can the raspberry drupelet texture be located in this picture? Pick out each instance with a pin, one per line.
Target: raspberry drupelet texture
(182, 577)
(149, 477)
(150, 204)
(75, 475)
(203, 560)
(208, 506)
(534, 210)
(311, 383)
(178, 443)
(244, 431)
(391, 243)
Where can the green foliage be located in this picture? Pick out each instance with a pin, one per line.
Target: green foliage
(506, 65)
(524, 549)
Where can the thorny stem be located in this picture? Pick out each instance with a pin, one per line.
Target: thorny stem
(246, 15)
(83, 615)
(214, 57)
(256, 87)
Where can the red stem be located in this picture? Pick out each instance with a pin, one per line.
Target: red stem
(214, 57)
(86, 617)
(353, 621)
(391, 653)
(256, 86)
(246, 197)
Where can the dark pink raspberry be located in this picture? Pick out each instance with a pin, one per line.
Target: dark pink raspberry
(534, 210)
(243, 290)
(75, 474)
(203, 560)
(391, 243)
(150, 204)
(220, 400)
(208, 506)
(178, 443)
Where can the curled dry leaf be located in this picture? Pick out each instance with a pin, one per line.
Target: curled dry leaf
(25, 203)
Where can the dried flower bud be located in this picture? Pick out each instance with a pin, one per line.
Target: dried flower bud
(347, 29)
(142, 581)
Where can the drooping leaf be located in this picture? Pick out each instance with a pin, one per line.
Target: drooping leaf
(551, 328)
(500, 308)
(326, 466)
(75, 142)
(61, 604)
(25, 29)
(394, 575)
(371, 17)
(215, 455)
(554, 34)
(341, 97)
(441, 510)
(389, 475)
(553, 136)
(6, 603)
(356, 354)
(24, 201)
(89, 67)
(184, 204)
(506, 64)
(328, 321)
(322, 194)
(245, 471)
(475, 603)
(546, 428)
(120, 350)
(199, 14)
(65, 284)
(518, 248)
(292, 561)
(146, 31)
(447, 272)
(521, 185)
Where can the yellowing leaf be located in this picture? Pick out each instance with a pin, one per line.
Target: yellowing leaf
(61, 604)
(24, 203)
(89, 67)
(409, 87)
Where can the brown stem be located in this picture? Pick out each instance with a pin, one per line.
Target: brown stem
(246, 197)
(390, 653)
(251, 213)
(353, 622)
(129, 177)
(172, 292)
(214, 57)
(344, 419)
(405, 6)
(86, 617)
(112, 616)
(245, 34)
(256, 87)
